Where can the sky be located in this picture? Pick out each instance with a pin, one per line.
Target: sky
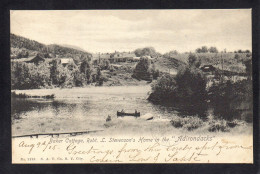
(126, 30)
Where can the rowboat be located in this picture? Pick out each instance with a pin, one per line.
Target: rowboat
(122, 114)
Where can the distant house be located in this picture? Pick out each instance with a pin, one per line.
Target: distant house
(105, 56)
(136, 59)
(122, 57)
(115, 57)
(65, 61)
(96, 58)
(129, 56)
(34, 59)
(208, 68)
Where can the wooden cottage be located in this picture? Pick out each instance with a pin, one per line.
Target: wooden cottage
(65, 61)
(122, 57)
(34, 59)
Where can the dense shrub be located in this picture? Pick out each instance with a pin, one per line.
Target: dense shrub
(86, 70)
(189, 123)
(203, 49)
(194, 61)
(187, 90)
(143, 69)
(191, 85)
(218, 125)
(47, 74)
(163, 89)
(171, 54)
(29, 76)
(147, 51)
(155, 73)
(232, 100)
(104, 64)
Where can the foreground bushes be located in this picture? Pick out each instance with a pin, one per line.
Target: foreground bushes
(192, 123)
(189, 123)
(187, 90)
(232, 100)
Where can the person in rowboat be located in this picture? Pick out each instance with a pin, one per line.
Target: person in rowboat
(108, 118)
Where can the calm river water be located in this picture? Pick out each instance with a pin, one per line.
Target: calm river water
(80, 109)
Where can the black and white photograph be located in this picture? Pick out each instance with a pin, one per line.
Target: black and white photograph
(131, 86)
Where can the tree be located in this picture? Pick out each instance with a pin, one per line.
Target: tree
(171, 54)
(232, 100)
(99, 77)
(54, 72)
(147, 51)
(248, 65)
(187, 89)
(138, 52)
(155, 73)
(193, 61)
(99, 73)
(143, 70)
(204, 49)
(198, 50)
(29, 76)
(78, 78)
(191, 85)
(85, 68)
(236, 56)
(104, 64)
(163, 90)
(213, 50)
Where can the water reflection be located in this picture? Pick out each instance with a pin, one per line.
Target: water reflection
(92, 108)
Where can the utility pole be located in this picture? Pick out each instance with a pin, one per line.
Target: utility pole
(222, 61)
(222, 66)
(99, 57)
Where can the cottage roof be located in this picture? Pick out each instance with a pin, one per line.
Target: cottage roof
(104, 56)
(207, 68)
(27, 59)
(117, 55)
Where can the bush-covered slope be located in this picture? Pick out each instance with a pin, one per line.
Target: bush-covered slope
(21, 45)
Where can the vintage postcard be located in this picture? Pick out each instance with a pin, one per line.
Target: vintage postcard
(131, 86)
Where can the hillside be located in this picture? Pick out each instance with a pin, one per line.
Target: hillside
(73, 47)
(23, 47)
(229, 61)
(164, 64)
